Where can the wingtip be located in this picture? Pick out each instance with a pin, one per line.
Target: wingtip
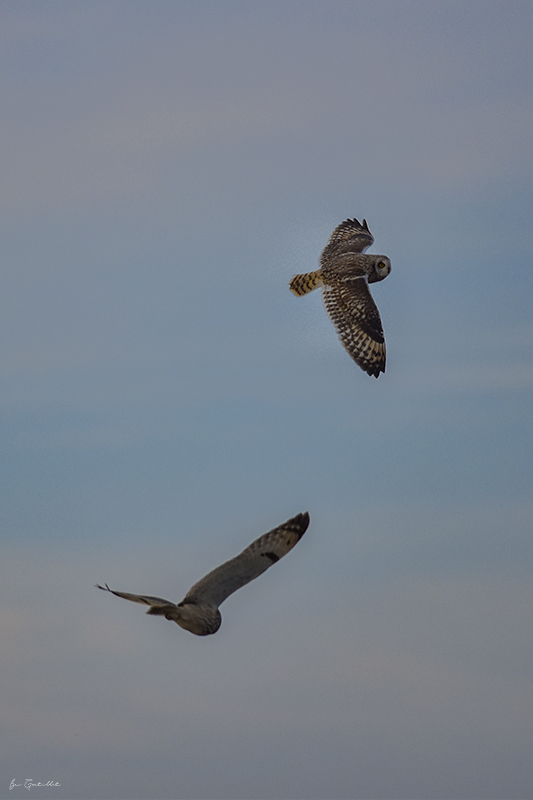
(300, 521)
(376, 372)
(373, 372)
(354, 221)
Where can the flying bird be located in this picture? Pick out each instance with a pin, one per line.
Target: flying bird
(198, 611)
(344, 274)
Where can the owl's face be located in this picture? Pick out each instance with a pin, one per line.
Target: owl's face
(379, 269)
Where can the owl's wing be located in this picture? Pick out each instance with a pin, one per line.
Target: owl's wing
(217, 585)
(356, 318)
(146, 599)
(351, 235)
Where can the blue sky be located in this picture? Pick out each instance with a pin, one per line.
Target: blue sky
(167, 167)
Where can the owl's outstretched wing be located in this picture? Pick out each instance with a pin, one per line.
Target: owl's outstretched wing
(350, 236)
(355, 315)
(216, 586)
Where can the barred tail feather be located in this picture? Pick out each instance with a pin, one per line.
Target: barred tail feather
(302, 284)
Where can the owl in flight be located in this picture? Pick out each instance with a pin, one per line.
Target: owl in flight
(344, 274)
(198, 611)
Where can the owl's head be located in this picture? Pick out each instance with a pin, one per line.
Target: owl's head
(380, 268)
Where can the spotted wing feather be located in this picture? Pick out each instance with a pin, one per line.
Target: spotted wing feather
(350, 236)
(218, 584)
(356, 318)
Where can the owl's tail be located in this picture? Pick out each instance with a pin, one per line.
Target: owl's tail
(302, 284)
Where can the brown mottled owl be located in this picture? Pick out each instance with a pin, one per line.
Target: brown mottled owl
(344, 274)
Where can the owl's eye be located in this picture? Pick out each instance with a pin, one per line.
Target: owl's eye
(381, 265)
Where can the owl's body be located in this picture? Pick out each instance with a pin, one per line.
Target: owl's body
(344, 274)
